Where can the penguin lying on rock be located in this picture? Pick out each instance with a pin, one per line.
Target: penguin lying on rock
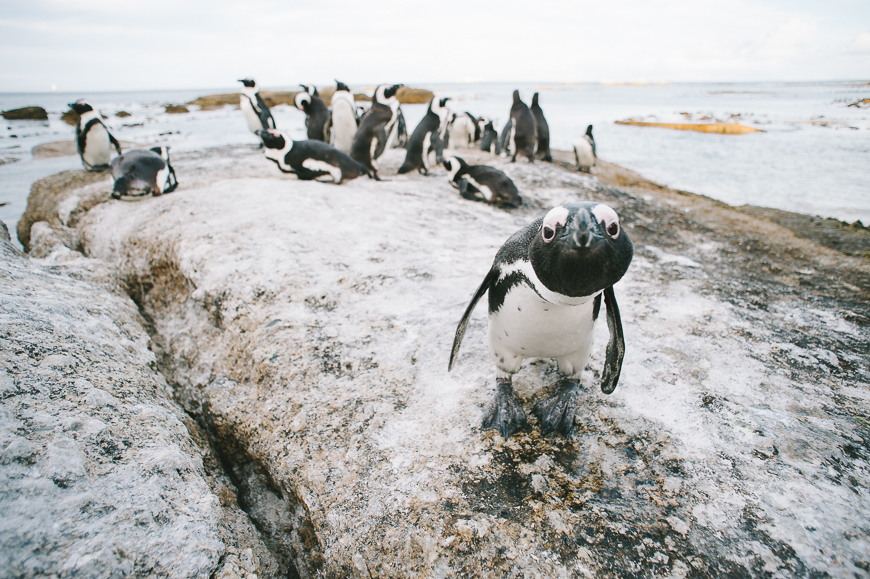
(545, 292)
(310, 159)
(482, 183)
(93, 140)
(139, 173)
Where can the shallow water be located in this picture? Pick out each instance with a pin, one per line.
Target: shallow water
(814, 156)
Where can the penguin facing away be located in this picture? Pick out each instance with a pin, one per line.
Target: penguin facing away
(489, 140)
(310, 160)
(139, 173)
(370, 140)
(543, 130)
(316, 112)
(254, 107)
(424, 140)
(343, 119)
(482, 183)
(545, 292)
(584, 151)
(462, 129)
(523, 136)
(93, 140)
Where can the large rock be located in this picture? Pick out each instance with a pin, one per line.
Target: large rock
(101, 474)
(26, 114)
(307, 328)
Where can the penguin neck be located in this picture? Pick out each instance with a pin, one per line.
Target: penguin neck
(250, 92)
(86, 117)
(278, 155)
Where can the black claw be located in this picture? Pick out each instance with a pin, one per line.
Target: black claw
(557, 412)
(504, 413)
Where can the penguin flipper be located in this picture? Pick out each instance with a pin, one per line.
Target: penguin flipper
(382, 138)
(465, 191)
(114, 142)
(463, 323)
(615, 346)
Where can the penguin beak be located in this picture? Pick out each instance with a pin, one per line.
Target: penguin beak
(582, 232)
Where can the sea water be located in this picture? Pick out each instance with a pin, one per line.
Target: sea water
(812, 157)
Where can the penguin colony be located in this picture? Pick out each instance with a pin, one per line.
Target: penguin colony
(548, 282)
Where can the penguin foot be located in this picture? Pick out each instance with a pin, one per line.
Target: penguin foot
(557, 412)
(504, 413)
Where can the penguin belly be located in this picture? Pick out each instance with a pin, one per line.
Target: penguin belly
(98, 147)
(251, 115)
(583, 154)
(526, 326)
(343, 125)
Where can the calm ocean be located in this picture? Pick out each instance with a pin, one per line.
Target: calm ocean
(813, 156)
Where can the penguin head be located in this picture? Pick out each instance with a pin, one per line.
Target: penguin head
(248, 82)
(517, 97)
(453, 165)
(310, 89)
(81, 106)
(386, 92)
(272, 139)
(341, 86)
(535, 100)
(589, 130)
(580, 249)
(443, 102)
(302, 100)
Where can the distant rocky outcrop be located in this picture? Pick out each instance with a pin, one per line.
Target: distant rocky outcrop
(175, 109)
(720, 128)
(26, 114)
(405, 95)
(122, 114)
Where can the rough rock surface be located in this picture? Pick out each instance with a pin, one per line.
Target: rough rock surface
(26, 113)
(101, 474)
(307, 327)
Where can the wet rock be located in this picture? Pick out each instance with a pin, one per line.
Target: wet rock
(70, 117)
(312, 347)
(122, 114)
(100, 473)
(26, 114)
(175, 109)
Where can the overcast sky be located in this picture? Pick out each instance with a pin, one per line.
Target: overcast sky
(94, 45)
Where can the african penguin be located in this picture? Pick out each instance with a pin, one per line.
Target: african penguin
(425, 140)
(370, 140)
(316, 112)
(523, 136)
(139, 173)
(489, 138)
(254, 107)
(584, 151)
(344, 120)
(545, 291)
(462, 130)
(482, 183)
(543, 130)
(399, 134)
(503, 139)
(93, 140)
(310, 159)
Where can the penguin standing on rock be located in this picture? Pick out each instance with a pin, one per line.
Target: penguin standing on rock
(343, 120)
(463, 131)
(310, 159)
(375, 127)
(523, 136)
(254, 107)
(316, 112)
(425, 140)
(489, 141)
(139, 173)
(545, 294)
(482, 183)
(93, 140)
(543, 130)
(584, 151)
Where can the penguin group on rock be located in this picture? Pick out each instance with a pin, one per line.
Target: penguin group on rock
(547, 284)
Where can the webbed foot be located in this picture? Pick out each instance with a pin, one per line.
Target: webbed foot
(557, 412)
(504, 413)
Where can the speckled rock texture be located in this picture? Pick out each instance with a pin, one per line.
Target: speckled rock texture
(307, 326)
(101, 474)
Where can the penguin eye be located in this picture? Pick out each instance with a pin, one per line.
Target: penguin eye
(548, 234)
(609, 218)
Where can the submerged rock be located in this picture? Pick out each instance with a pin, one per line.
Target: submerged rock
(307, 328)
(26, 114)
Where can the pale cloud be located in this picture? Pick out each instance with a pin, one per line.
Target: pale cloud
(861, 44)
